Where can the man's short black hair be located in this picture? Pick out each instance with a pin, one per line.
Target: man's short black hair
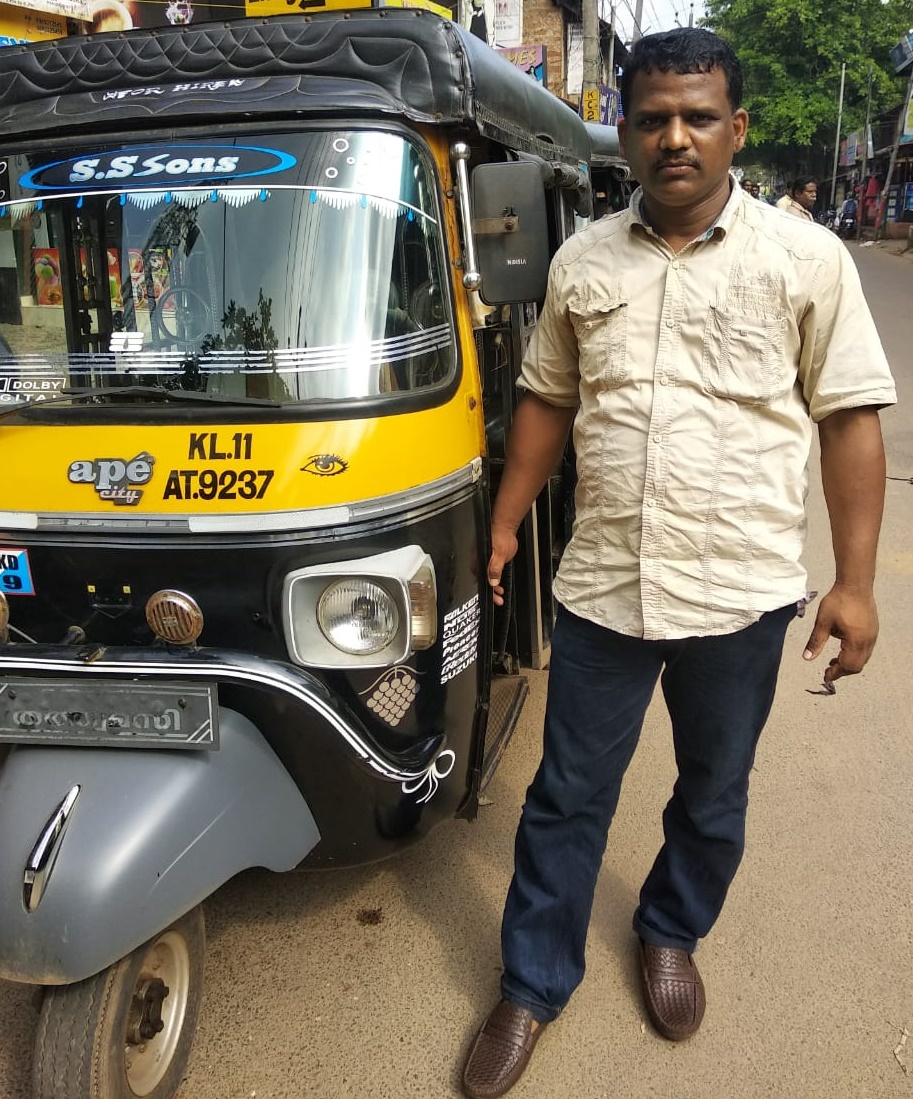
(801, 183)
(683, 50)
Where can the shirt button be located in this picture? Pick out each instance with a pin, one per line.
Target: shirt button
(664, 380)
(670, 323)
(675, 265)
(657, 438)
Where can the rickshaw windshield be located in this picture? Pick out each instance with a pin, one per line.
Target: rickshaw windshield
(293, 267)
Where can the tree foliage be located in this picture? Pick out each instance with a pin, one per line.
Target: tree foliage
(792, 52)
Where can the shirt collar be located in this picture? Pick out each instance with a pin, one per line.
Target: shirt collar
(718, 229)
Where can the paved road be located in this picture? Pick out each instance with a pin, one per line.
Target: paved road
(808, 971)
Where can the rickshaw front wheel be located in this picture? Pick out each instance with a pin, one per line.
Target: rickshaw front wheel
(125, 1033)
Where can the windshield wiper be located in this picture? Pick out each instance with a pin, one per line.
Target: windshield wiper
(159, 392)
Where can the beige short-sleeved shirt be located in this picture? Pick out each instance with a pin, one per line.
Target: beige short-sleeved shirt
(789, 206)
(698, 376)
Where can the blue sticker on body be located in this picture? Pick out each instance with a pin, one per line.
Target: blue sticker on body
(15, 573)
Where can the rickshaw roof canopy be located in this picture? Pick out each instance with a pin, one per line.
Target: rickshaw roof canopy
(399, 62)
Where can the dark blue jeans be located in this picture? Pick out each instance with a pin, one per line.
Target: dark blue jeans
(718, 691)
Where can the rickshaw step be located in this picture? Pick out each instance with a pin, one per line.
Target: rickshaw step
(508, 693)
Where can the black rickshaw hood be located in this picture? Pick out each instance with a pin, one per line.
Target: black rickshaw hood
(401, 62)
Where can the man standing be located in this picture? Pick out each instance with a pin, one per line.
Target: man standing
(800, 198)
(691, 340)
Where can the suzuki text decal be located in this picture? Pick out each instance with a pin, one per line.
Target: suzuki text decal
(150, 165)
(461, 639)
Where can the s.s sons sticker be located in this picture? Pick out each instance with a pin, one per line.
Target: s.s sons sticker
(145, 165)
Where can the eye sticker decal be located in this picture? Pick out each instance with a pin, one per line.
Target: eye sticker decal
(325, 465)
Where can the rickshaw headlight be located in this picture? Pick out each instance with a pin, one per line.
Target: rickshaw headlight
(357, 616)
(368, 613)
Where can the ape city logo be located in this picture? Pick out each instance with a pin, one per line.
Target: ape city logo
(115, 479)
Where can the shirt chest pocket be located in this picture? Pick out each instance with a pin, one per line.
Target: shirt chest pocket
(743, 358)
(601, 327)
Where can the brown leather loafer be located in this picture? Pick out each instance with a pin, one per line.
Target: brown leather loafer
(673, 991)
(501, 1051)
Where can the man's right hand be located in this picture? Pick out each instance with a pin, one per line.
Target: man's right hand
(504, 547)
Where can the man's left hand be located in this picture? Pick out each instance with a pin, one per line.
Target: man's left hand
(853, 618)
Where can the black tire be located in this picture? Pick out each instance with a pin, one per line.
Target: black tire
(88, 1045)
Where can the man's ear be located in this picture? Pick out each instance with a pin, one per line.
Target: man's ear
(739, 128)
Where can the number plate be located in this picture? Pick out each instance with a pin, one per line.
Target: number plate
(104, 712)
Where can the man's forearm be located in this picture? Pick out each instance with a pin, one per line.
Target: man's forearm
(534, 446)
(853, 475)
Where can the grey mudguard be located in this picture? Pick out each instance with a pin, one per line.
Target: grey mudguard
(152, 833)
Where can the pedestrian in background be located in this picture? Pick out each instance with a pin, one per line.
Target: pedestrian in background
(800, 198)
(692, 341)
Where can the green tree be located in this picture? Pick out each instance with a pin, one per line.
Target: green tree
(792, 51)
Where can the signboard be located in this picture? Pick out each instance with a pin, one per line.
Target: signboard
(589, 105)
(508, 23)
(599, 104)
(850, 149)
(902, 53)
(573, 75)
(609, 105)
(67, 9)
(907, 136)
(17, 26)
(531, 59)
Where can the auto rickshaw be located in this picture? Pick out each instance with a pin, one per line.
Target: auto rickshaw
(265, 286)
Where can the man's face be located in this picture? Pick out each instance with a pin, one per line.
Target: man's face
(679, 136)
(808, 196)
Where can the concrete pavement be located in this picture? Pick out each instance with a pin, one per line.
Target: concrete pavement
(368, 984)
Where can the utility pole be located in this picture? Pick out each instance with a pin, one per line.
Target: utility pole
(590, 43)
(638, 20)
(589, 96)
(612, 47)
(837, 143)
(863, 182)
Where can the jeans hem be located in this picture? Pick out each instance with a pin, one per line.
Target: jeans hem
(539, 1013)
(655, 938)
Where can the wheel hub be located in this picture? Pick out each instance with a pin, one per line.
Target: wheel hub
(145, 1019)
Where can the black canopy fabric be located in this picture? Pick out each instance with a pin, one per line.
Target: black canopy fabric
(406, 62)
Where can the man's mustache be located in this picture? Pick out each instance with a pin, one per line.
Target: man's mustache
(677, 162)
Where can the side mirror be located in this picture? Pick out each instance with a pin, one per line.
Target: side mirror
(510, 228)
